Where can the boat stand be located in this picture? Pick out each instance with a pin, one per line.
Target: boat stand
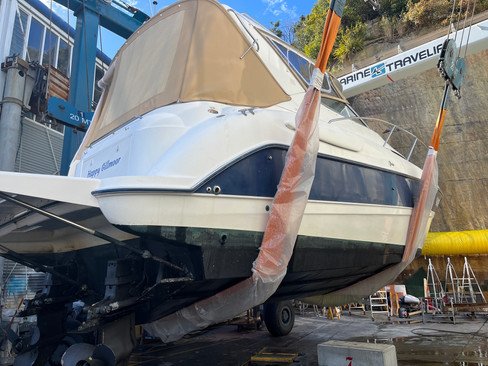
(434, 292)
(470, 290)
(452, 282)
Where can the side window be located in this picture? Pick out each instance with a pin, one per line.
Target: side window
(63, 57)
(20, 24)
(50, 45)
(35, 41)
(280, 48)
(302, 66)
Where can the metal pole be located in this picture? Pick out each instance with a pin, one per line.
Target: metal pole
(11, 111)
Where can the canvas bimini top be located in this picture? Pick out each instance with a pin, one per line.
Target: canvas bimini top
(190, 51)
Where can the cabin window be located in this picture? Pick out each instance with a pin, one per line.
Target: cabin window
(302, 66)
(63, 57)
(20, 24)
(50, 46)
(35, 41)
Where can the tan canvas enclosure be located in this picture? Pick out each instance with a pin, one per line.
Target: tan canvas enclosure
(189, 51)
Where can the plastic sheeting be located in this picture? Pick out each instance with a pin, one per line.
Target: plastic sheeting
(456, 243)
(269, 269)
(417, 231)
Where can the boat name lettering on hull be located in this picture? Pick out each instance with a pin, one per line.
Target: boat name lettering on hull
(93, 173)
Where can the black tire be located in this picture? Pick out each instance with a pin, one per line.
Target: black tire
(279, 317)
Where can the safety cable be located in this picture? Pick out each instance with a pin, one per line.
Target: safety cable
(464, 28)
(24, 44)
(68, 71)
(101, 46)
(86, 58)
(418, 331)
(449, 29)
(458, 18)
(465, 21)
(470, 25)
(50, 35)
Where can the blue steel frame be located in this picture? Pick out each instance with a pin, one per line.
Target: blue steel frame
(90, 14)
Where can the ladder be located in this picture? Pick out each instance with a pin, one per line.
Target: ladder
(469, 285)
(434, 288)
(378, 303)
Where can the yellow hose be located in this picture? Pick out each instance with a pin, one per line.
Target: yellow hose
(456, 243)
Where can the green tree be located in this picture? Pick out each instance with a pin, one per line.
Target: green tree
(350, 41)
(428, 12)
(308, 31)
(393, 8)
(275, 28)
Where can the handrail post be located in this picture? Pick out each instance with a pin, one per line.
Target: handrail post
(389, 135)
(411, 149)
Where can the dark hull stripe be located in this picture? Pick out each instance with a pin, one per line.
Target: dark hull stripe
(258, 174)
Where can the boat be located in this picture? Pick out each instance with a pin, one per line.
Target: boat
(167, 198)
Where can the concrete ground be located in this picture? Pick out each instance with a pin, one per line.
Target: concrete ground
(435, 342)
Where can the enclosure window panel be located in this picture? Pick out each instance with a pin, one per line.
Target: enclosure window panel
(34, 45)
(64, 53)
(50, 45)
(19, 34)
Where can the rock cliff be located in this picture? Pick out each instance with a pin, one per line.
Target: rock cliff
(413, 104)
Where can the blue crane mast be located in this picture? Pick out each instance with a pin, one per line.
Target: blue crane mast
(90, 14)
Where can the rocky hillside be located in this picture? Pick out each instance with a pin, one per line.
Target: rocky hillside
(413, 104)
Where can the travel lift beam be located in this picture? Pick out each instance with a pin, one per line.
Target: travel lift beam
(410, 62)
(89, 15)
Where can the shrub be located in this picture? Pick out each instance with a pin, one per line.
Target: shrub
(349, 42)
(428, 12)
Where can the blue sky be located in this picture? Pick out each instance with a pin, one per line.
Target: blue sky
(264, 11)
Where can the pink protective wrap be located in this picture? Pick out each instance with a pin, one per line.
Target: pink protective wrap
(280, 235)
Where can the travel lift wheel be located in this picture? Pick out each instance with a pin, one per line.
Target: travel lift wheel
(279, 317)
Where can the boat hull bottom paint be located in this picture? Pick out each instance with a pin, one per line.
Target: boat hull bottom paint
(216, 260)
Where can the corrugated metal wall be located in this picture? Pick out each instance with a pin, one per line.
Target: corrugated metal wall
(39, 151)
(19, 282)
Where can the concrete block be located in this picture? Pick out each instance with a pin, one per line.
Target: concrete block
(338, 353)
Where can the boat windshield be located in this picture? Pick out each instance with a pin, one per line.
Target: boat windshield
(339, 106)
(303, 69)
